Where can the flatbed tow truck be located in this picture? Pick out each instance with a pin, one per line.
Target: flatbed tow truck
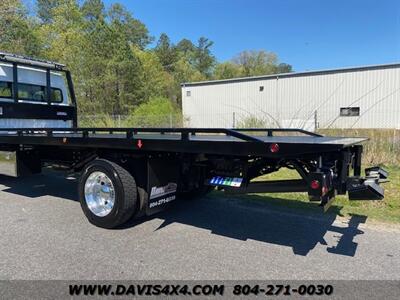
(131, 172)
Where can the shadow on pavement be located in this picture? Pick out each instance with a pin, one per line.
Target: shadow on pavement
(243, 220)
(230, 217)
(54, 184)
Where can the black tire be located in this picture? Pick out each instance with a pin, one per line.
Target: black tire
(126, 198)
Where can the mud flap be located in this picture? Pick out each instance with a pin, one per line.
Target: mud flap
(28, 163)
(327, 200)
(162, 183)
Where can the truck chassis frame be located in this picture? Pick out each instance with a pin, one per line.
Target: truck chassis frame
(128, 172)
(199, 159)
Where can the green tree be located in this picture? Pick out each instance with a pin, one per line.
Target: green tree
(251, 63)
(63, 39)
(166, 52)
(204, 61)
(227, 70)
(186, 62)
(111, 70)
(255, 63)
(186, 48)
(93, 10)
(134, 31)
(184, 72)
(107, 51)
(96, 44)
(45, 9)
(157, 112)
(17, 29)
(284, 68)
(154, 80)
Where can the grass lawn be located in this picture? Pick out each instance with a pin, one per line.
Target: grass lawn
(387, 210)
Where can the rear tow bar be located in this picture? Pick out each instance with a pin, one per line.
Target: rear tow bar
(367, 188)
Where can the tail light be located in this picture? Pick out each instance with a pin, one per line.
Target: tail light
(274, 148)
(315, 184)
(320, 184)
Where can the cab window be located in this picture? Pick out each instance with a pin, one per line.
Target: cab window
(56, 95)
(30, 92)
(5, 89)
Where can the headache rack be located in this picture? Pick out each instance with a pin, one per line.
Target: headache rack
(29, 61)
(48, 66)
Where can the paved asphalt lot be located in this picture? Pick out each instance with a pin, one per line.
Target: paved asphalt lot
(44, 235)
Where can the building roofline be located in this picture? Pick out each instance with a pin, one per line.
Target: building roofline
(293, 74)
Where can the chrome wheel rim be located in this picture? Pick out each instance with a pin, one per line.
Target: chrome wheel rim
(99, 194)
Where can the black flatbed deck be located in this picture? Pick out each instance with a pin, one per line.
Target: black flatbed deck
(192, 140)
(144, 169)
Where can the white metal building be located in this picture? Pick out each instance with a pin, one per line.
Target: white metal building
(359, 97)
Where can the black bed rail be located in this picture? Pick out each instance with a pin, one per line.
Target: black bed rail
(270, 131)
(131, 132)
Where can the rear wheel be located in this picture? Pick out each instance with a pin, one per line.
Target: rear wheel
(107, 193)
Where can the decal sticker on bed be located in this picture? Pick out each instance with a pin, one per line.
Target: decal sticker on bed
(163, 194)
(226, 181)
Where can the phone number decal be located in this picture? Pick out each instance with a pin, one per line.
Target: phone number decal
(283, 290)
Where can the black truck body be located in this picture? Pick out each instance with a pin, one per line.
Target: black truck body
(140, 171)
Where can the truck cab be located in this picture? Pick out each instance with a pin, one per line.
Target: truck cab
(35, 94)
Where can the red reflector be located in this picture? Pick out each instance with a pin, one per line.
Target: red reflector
(315, 184)
(324, 190)
(274, 148)
(139, 144)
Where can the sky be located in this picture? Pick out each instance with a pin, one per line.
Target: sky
(308, 34)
